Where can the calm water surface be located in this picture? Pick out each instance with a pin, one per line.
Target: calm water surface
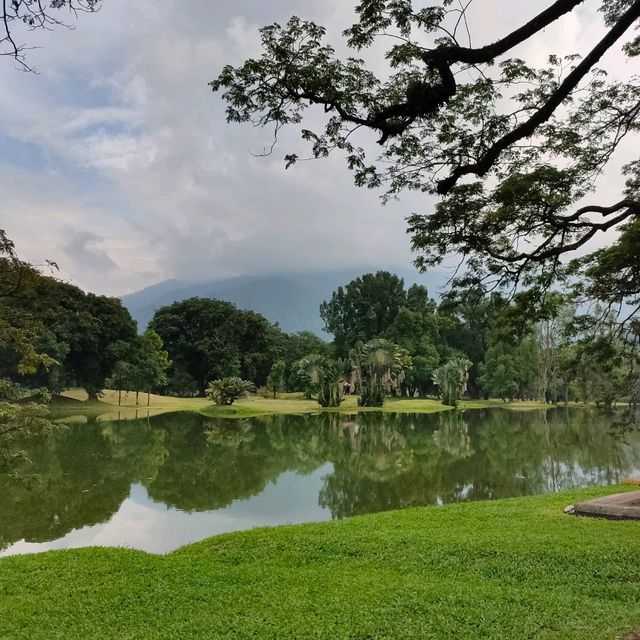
(160, 483)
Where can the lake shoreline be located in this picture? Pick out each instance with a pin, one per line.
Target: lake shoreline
(73, 403)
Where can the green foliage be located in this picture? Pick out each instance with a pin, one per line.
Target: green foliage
(451, 379)
(208, 339)
(275, 379)
(333, 373)
(420, 377)
(380, 367)
(122, 377)
(152, 363)
(227, 390)
(84, 335)
(363, 309)
(20, 330)
(531, 139)
(323, 377)
(309, 369)
(23, 419)
(498, 373)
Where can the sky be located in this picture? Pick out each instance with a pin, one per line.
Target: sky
(117, 163)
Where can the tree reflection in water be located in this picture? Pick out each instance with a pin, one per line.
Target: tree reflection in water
(378, 462)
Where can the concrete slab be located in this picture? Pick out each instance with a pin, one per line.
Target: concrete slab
(620, 506)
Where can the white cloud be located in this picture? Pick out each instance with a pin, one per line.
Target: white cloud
(130, 145)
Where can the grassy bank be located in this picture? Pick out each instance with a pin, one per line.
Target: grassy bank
(74, 402)
(513, 569)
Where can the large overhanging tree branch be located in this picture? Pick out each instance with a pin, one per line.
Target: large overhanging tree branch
(535, 139)
(31, 15)
(564, 90)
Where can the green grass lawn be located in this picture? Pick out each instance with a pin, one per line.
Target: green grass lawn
(74, 402)
(514, 569)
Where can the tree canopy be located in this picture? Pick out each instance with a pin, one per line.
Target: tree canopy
(210, 339)
(511, 150)
(363, 309)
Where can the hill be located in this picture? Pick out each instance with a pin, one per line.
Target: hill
(292, 300)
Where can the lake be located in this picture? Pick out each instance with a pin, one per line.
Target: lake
(159, 483)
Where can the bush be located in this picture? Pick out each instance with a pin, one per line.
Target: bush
(227, 390)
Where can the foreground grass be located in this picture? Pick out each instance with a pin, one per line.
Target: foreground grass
(514, 569)
(74, 402)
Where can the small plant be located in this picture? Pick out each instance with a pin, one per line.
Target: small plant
(227, 390)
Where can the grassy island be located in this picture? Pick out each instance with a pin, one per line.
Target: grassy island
(516, 568)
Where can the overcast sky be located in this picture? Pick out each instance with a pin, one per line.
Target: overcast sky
(116, 160)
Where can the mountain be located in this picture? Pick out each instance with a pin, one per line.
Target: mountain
(290, 299)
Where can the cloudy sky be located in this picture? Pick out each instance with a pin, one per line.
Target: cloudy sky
(117, 163)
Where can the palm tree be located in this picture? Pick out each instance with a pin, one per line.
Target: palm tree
(226, 390)
(383, 366)
(451, 379)
(310, 370)
(333, 374)
(324, 378)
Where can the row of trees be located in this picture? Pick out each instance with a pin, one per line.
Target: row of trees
(510, 150)
(389, 340)
(53, 335)
(392, 340)
(484, 343)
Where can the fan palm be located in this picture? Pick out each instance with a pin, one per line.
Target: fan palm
(383, 365)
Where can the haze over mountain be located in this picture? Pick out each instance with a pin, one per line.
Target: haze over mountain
(290, 299)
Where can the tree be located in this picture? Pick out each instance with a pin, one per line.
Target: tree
(122, 378)
(275, 380)
(333, 373)
(451, 379)
(33, 15)
(153, 364)
(23, 411)
(465, 317)
(381, 367)
(54, 333)
(420, 378)
(498, 373)
(303, 343)
(509, 149)
(210, 339)
(324, 377)
(227, 390)
(363, 309)
(97, 330)
(309, 370)
(20, 329)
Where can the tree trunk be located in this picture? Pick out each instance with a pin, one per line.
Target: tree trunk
(119, 397)
(137, 394)
(148, 397)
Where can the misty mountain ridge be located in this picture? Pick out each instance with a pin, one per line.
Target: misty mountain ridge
(292, 300)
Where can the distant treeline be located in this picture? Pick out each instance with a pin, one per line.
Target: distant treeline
(488, 343)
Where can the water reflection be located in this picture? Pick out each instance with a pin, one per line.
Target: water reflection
(176, 478)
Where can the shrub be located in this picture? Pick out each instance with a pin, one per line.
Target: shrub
(227, 390)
